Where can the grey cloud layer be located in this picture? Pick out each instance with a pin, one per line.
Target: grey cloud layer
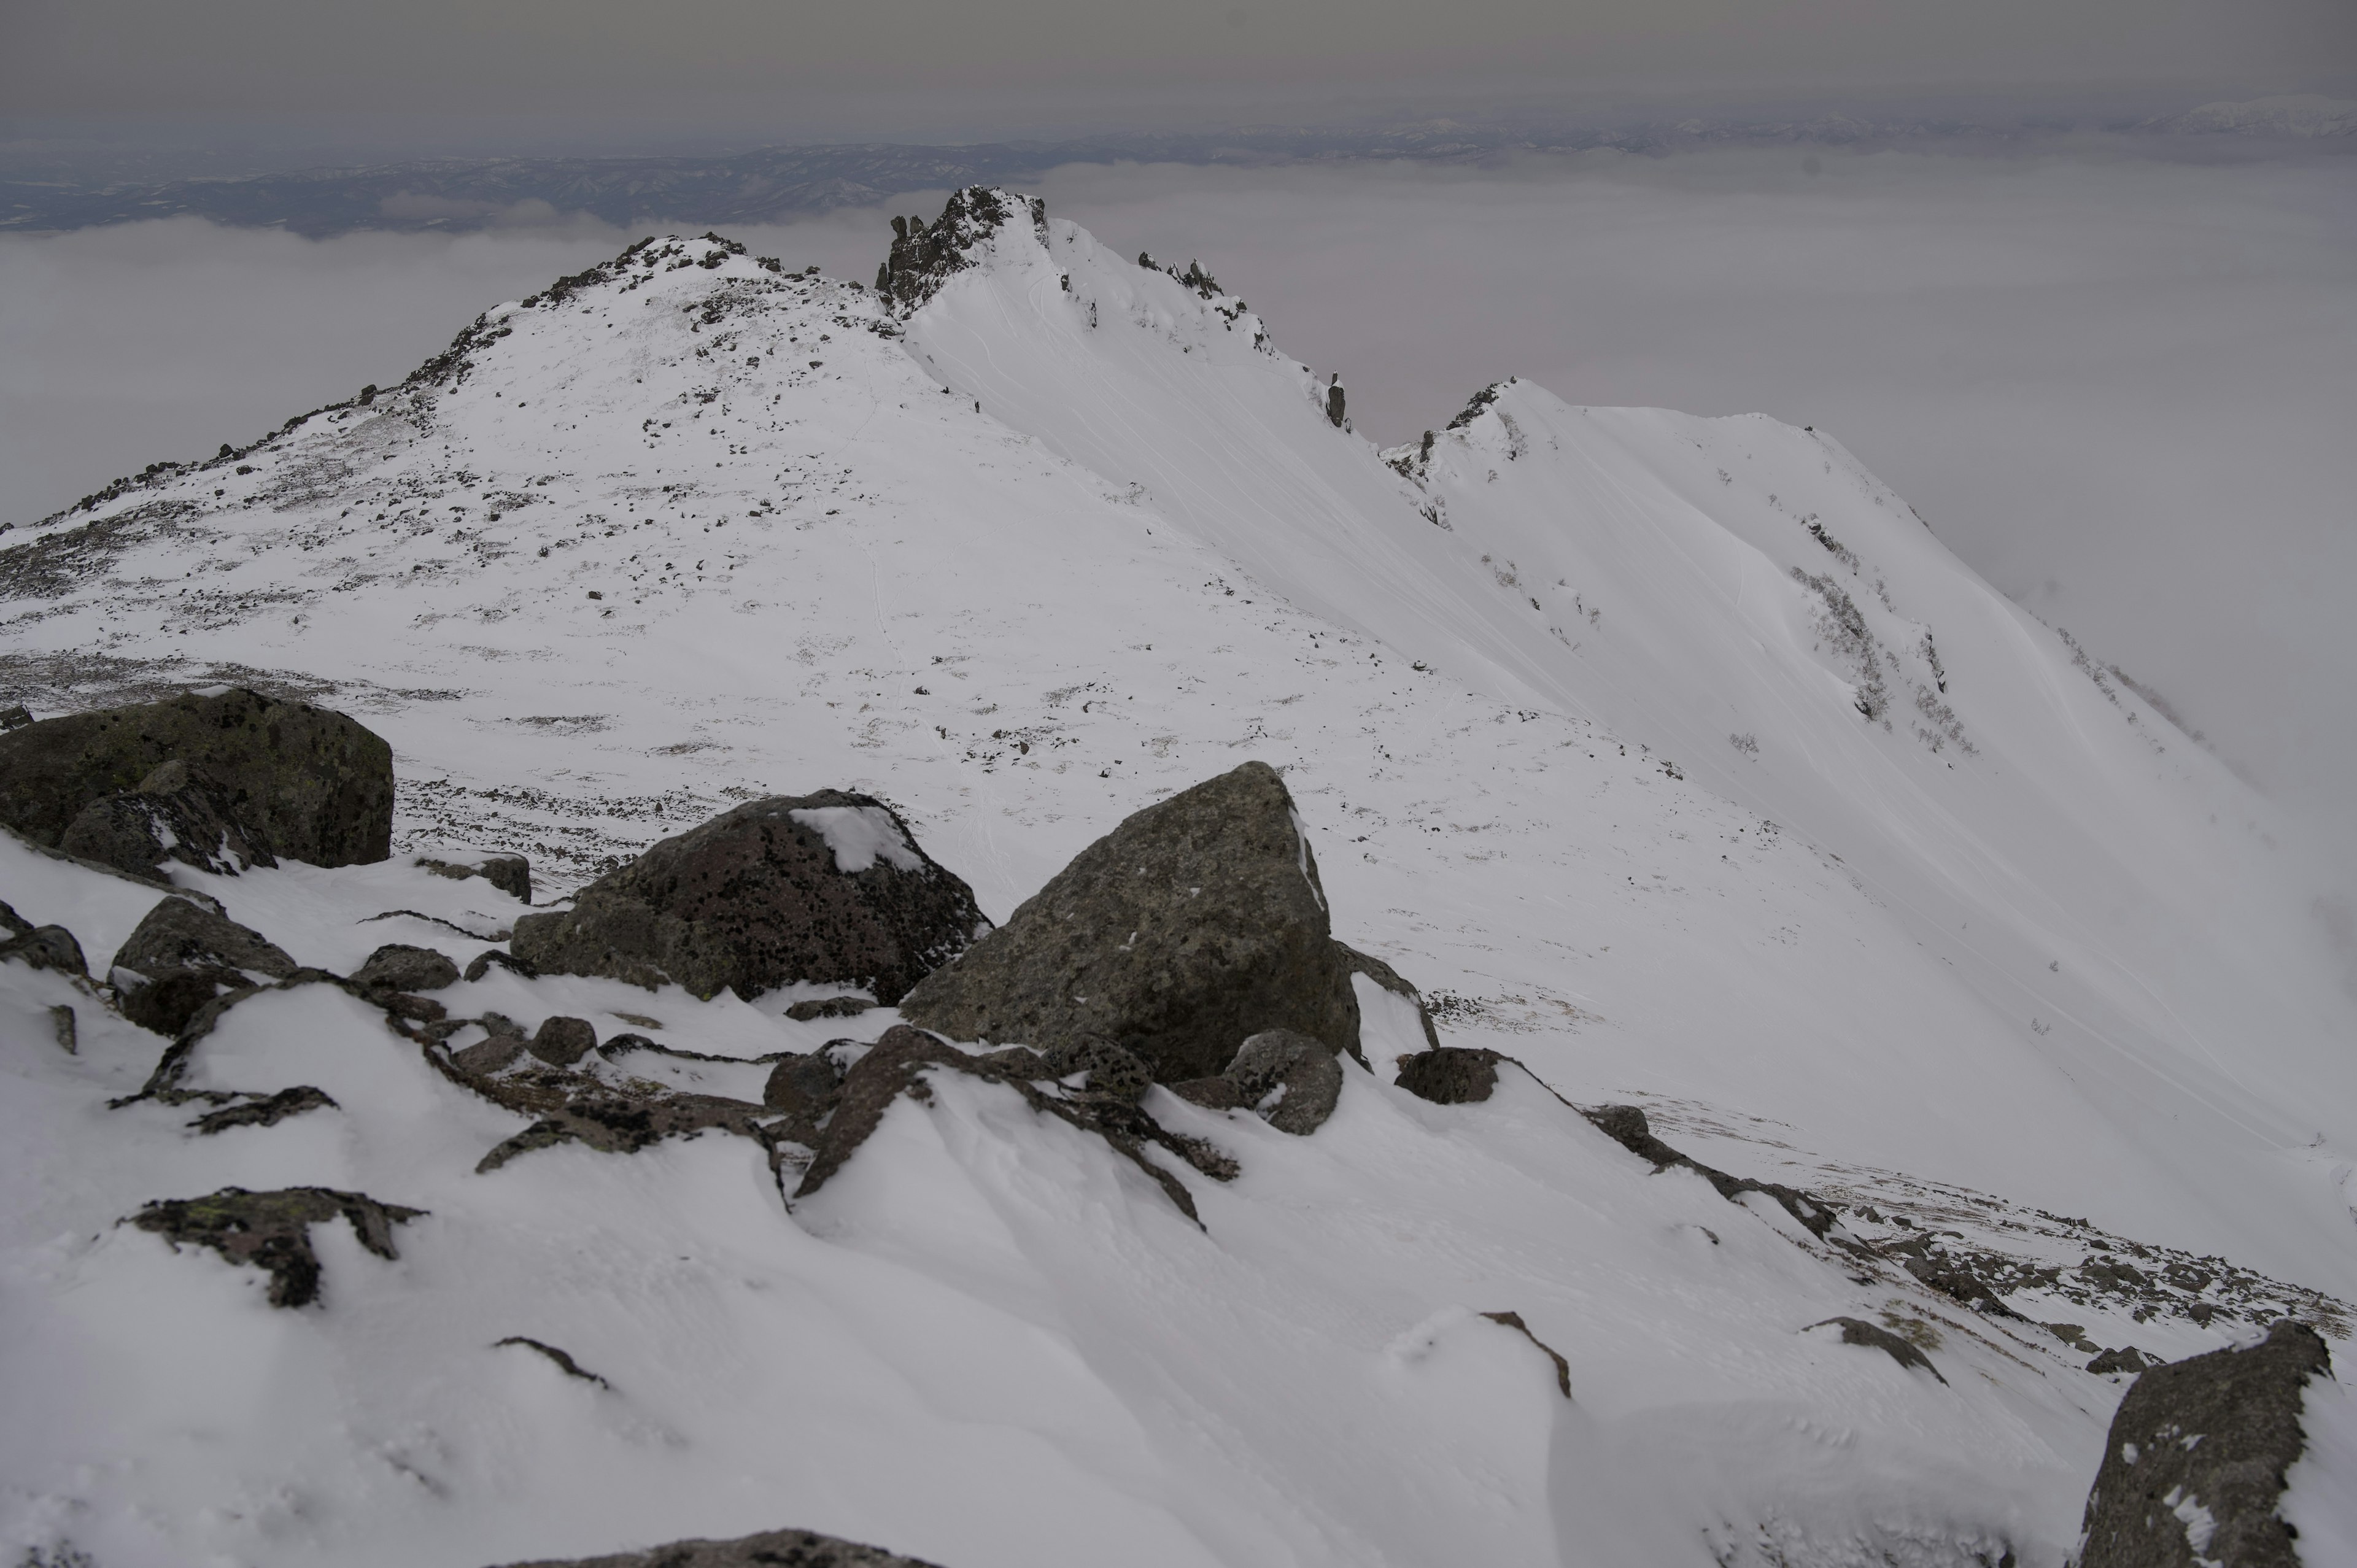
(707, 58)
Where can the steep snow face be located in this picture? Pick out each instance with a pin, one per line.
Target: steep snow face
(686, 529)
(2131, 928)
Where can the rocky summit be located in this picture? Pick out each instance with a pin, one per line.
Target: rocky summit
(759, 911)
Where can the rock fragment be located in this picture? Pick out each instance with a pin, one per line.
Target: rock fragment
(2194, 1465)
(178, 935)
(46, 947)
(1192, 926)
(173, 813)
(265, 1112)
(561, 1042)
(828, 888)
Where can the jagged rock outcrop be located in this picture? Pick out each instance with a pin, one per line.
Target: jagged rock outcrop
(215, 780)
(272, 1231)
(1194, 925)
(828, 888)
(772, 1549)
(924, 255)
(2195, 1461)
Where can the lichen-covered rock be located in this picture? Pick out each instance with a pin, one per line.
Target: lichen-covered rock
(2195, 1463)
(828, 888)
(397, 966)
(1194, 925)
(1289, 1079)
(772, 1549)
(282, 779)
(180, 935)
(272, 1231)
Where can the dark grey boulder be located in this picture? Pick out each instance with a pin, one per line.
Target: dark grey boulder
(2214, 1433)
(397, 966)
(811, 1009)
(561, 1042)
(170, 1002)
(178, 935)
(829, 889)
(278, 779)
(1290, 1078)
(772, 1549)
(1194, 925)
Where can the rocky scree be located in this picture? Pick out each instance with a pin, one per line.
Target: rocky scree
(829, 889)
(256, 779)
(1192, 927)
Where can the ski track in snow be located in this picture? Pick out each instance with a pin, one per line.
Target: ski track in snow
(1585, 713)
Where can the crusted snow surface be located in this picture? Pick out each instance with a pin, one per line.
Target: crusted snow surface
(1996, 948)
(858, 835)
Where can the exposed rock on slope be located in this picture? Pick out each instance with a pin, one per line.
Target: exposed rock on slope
(198, 777)
(771, 1548)
(272, 1231)
(2196, 1458)
(1194, 925)
(828, 888)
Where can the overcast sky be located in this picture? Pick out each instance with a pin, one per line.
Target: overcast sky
(937, 67)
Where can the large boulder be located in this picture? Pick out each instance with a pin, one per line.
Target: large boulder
(1192, 926)
(2194, 1465)
(219, 780)
(829, 889)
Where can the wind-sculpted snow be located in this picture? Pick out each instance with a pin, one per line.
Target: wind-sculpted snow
(1581, 756)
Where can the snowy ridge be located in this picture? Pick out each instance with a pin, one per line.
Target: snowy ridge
(688, 529)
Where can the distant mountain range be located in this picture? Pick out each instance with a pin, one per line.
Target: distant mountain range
(767, 184)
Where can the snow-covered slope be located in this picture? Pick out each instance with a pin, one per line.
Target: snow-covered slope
(686, 529)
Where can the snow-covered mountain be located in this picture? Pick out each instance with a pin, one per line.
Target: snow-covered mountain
(1674, 756)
